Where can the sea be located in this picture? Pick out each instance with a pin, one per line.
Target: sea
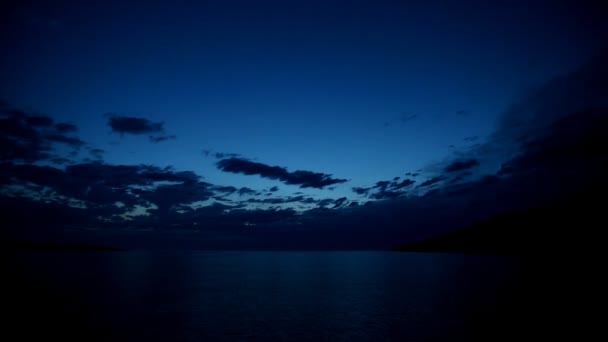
(268, 296)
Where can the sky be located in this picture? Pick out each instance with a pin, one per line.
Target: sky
(272, 114)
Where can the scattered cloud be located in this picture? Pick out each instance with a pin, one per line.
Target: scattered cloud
(71, 141)
(222, 155)
(403, 184)
(97, 153)
(305, 179)
(65, 127)
(39, 121)
(361, 191)
(402, 119)
(161, 138)
(246, 191)
(431, 181)
(460, 165)
(138, 126)
(133, 125)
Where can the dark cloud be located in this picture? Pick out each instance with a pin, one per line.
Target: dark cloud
(339, 202)
(259, 217)
(26, 137)
(99, 186)
(65, 127)
(274, 189)
(460, 165)
(361, 191)
(403, 184)
(324, 202)
(246, 191)
(225, 189)
(382, 184)
(39, 121)
(97, 153)
(29, 137)
(58, 138)
(431, 181)
(385, 189)
(406, 117)
(222, 155)
(386, 194)
(133, 125)
(432, 192)
(60, 160)
(161, 138)
(170, 197)
(305, 179)
(283, 200)
(403, 119)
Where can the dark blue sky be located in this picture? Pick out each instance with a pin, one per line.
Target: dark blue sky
(244, 94)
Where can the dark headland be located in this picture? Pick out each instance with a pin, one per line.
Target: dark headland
(563, 225)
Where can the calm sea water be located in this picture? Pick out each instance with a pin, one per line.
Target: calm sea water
(263, 296)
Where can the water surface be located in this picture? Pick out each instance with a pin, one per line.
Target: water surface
(226, 296)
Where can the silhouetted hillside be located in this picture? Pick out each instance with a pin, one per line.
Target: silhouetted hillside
(565, 225)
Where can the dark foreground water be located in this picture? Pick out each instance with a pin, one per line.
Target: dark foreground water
(266, 296)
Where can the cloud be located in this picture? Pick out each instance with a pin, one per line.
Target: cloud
(65, 127)
(161, 138)
(460, 165)
(339, 202)
(27, 137)
(225, 189)
(385, 194)
(222, 155)
(431, 181)
(403, 119)
(39, 121)
(219, 155)
(403, 184)
(60, 160)
(305, 179)
(133, 125)
(97, 153)
(361, 191)
(406, 117)
(169, 197)
(71, 141)
(385, 189)
(274, 189)
(246, 191)
(283, 200)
